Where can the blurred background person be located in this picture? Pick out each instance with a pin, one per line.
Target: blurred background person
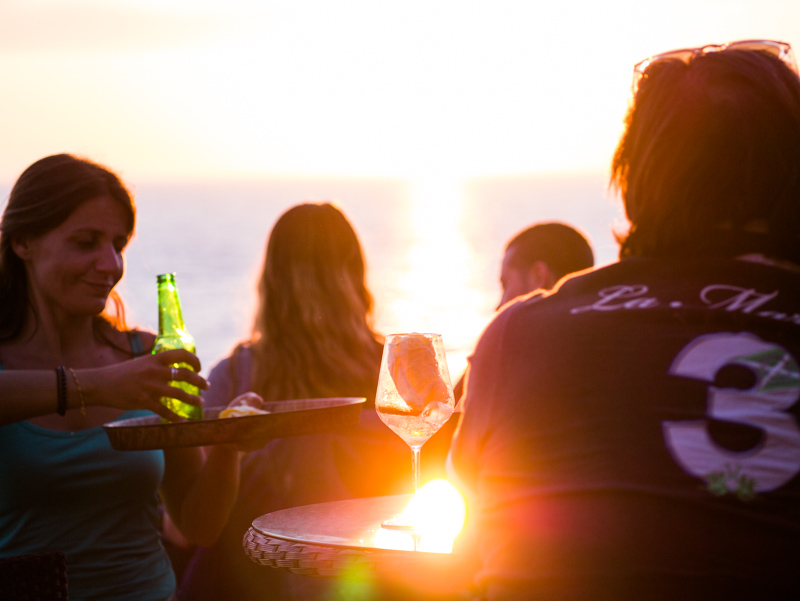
(536, 259)
(67, 366)
(312, 338)
(539, 256)
(634, 435)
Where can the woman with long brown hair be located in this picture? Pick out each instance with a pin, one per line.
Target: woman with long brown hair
(312, 337)
(312, 334)
(67, 366)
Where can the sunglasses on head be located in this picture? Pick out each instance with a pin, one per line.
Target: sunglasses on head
(780, 50)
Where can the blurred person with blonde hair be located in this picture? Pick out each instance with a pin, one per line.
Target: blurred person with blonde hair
(312, 338)
(312, 334)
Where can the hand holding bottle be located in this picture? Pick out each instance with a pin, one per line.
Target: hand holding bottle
(141, 383)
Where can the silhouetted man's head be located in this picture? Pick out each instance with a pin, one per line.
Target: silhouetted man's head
(540, 256)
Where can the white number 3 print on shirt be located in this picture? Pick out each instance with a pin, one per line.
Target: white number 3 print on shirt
(776, 459)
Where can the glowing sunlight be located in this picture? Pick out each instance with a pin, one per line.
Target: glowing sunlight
(438, 512)
(432, 93)
(435, 270)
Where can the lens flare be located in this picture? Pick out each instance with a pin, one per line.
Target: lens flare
(437, 511)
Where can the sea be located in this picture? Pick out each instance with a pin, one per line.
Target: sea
(433, 248)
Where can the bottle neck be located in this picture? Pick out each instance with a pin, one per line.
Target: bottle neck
(170, 318)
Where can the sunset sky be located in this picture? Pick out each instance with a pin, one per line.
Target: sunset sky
(435, 96)
(186, 89)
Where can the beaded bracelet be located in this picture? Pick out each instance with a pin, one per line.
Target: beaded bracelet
(61, 389)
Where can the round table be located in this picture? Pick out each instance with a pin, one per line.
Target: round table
(345, 538)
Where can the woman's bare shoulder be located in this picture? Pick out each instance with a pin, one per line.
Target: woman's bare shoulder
(135, 341)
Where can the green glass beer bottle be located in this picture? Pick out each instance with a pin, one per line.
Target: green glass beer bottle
(172, 334)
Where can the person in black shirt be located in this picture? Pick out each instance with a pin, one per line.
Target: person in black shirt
(537, 258)
(633, 434)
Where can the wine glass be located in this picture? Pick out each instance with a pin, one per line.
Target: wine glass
(415, 396)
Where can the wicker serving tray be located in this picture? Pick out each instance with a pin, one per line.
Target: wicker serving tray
(286, 418)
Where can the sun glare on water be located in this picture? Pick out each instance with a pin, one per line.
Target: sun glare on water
(435, 295)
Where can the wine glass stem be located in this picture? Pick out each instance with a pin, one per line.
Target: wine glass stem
(415, 467)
